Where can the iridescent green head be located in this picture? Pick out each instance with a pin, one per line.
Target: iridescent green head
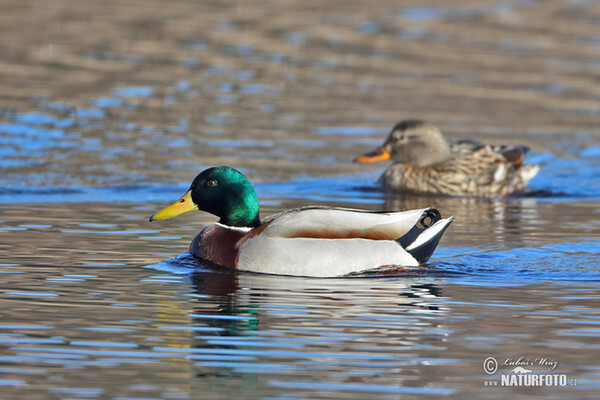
(222, 191)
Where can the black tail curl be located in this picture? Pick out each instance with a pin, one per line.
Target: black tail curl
(425, 250)
(429, 217)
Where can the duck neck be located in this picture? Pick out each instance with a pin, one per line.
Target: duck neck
(435, 155)
(241, 212)
(241, 221)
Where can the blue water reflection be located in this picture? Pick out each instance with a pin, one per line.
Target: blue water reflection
(133, 91)
(99, 303)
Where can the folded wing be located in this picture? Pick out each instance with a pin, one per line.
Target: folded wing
(338, 223)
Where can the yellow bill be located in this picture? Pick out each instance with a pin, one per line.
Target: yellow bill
(181, 206)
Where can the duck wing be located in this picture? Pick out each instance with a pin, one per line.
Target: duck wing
(339, 223)
(514, 155)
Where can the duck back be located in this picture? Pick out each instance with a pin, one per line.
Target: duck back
(474, 169)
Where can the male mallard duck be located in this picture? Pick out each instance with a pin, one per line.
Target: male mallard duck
(424, 162)
(311, 241)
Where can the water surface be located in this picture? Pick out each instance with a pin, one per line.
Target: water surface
(107, 113)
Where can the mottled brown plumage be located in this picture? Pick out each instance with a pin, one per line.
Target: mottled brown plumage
(424, 162)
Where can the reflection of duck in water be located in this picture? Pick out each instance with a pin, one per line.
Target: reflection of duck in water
(312, 241)
(278, 323)
(424, 162)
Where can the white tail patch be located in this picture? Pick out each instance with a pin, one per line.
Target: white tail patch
(527, 172)
(500, 174)
(430, 233)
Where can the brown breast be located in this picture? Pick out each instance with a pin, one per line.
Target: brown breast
(218, 244)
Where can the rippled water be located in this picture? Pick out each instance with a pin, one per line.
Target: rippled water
(107, 113)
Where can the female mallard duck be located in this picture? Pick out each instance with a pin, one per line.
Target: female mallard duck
(424, 162)
(312, 241)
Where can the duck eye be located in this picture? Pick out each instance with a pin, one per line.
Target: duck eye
(399, 136)
(211, 183)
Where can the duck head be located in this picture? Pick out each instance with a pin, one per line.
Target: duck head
(411, 142)
(221, 191)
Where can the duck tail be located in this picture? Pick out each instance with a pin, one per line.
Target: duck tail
(528, 171)
(421, 241)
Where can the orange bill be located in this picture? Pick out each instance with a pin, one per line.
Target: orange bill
(379, 154)
(181, 206)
